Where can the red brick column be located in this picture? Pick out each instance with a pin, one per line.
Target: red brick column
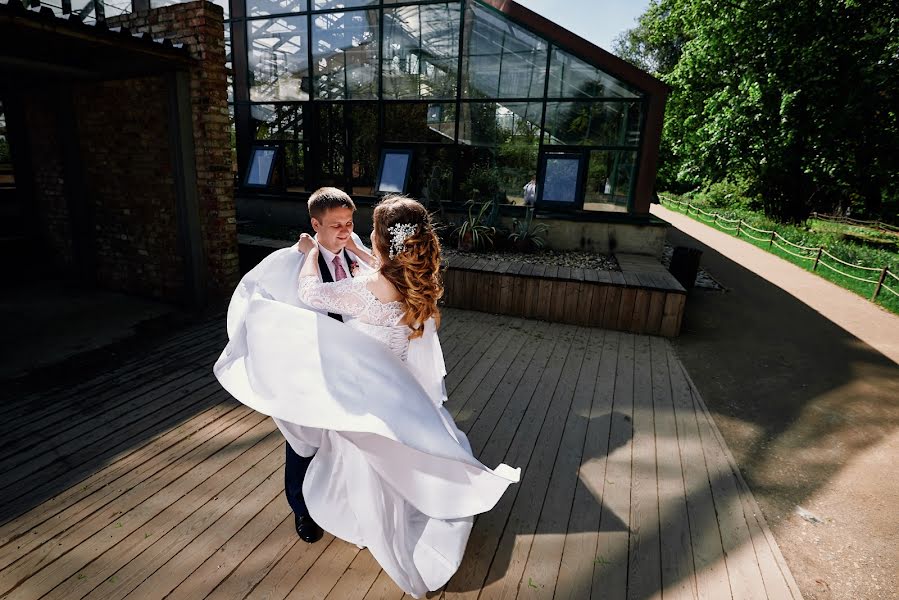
(199, 26)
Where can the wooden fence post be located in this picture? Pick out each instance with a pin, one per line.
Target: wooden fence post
(739, 224)
(883, 274)
(817, 259)
(771, 241)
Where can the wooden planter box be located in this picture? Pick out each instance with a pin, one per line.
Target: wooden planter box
(650, 302)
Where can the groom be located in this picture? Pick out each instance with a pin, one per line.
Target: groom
(331, 212)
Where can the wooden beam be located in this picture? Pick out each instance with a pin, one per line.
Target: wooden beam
(38, 33)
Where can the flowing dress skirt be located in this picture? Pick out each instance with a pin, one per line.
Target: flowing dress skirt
(391, 471)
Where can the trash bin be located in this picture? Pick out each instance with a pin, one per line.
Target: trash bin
(685, 265)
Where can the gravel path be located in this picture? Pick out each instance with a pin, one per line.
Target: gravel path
(589, 260)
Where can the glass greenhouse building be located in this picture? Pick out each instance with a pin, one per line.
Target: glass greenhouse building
(446, 101)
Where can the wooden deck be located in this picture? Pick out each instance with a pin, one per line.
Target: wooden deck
(150, 481)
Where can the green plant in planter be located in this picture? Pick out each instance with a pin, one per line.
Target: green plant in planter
(473, 233)
(527, 235)
(484, 184)
(436, 189)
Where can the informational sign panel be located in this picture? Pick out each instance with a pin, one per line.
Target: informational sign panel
(394, 171)
(561, 179)
(262, 162)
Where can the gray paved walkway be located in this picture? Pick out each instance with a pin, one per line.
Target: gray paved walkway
(863, 319)
(802, 381)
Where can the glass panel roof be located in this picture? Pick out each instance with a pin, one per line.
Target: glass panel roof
(345, 54)
(278, 59)
(602, 123)
(501, 59)
(570, 77)
(420, 51)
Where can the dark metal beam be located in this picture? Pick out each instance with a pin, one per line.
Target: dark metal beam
(649, 152)
(20, 147)
(38, 69)
(78, 205)
(184, 169)
(465, 16)
(241, 73)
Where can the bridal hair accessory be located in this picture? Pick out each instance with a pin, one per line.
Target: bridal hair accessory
(399, 233)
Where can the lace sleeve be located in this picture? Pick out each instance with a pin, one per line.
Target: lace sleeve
(343, 297)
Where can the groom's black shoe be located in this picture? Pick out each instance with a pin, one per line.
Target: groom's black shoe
(307, 529)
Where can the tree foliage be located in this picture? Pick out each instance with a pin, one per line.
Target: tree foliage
(797, 100)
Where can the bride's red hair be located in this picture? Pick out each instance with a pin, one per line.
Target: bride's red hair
(414, 271)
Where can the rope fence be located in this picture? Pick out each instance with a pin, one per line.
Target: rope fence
(749, 235)
(873, 224)
(802, 256)
(888, 288)
(773, 239)
(829, 255)
(783, 239)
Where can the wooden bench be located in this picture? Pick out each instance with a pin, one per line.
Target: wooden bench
(641, 298)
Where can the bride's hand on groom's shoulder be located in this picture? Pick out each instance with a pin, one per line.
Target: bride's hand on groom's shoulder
(352, 246)
(305, 243)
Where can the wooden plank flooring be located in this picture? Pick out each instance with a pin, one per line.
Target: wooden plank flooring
(149, 481)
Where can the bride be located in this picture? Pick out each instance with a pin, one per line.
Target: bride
(391, 471)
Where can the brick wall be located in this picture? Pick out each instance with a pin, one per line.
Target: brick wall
(122, 130)
(49, 184)
(199, 26)
(127, 166)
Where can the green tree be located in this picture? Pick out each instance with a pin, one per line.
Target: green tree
(656, 44)
(796, 98)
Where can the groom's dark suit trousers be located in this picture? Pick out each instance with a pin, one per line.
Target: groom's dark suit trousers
(296, 465)
(294, 474)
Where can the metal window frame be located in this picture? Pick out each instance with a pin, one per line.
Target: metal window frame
(556, 38)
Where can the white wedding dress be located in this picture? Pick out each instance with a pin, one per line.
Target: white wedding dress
(391, 470)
